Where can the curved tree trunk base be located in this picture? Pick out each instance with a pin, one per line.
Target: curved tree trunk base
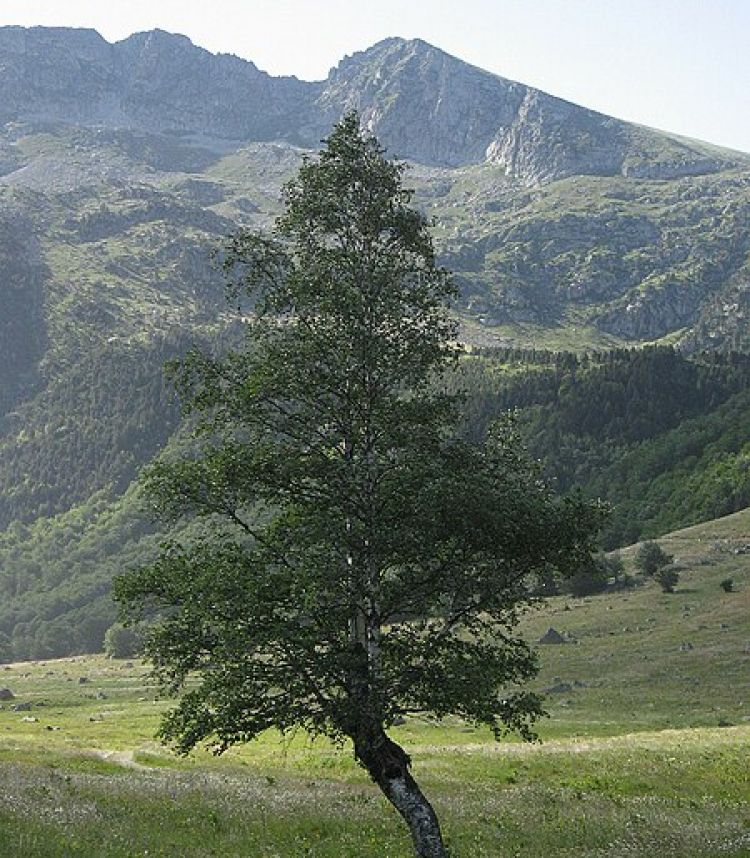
(388, 765)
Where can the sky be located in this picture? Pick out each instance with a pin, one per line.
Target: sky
(679, 65)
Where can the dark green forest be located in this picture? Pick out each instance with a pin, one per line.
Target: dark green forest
(91, 428)
(664, 438)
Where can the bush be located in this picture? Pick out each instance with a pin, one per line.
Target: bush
(545, 584)
(727, 585)
(651, 558)
(667, 577)
(122, 641)
(627, 582)
(6, 648)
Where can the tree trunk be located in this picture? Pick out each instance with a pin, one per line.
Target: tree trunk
(388, 765)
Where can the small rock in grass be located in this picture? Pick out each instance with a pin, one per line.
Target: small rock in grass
(552, 636)
(560, 688)
(82, 680)
(29, 719)
(6, 694)
(21, 707)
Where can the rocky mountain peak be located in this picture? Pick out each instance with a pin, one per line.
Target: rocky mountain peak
(425, 104)
(79, 40)
(159, 40)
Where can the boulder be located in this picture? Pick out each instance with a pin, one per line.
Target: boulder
(552, 636)
(6, 694)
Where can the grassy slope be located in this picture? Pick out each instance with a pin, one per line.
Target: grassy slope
(633, 762)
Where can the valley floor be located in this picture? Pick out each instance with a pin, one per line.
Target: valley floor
(646, 753)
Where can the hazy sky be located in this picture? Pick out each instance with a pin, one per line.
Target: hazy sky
(680, 65)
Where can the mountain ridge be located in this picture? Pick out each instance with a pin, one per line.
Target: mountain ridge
(426, 105)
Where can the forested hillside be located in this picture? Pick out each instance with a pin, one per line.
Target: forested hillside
(662, 437)
(93, 429)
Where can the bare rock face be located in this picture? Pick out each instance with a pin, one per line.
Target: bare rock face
(649, 314)
(155, 81)
(168, 84)
(56, 74)
(427, 105)
(550, 139)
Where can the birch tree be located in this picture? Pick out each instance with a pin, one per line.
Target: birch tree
(360, 563)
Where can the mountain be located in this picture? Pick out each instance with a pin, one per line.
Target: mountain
(664, 438)
(424, 104)
(554, 218)
(122, 166)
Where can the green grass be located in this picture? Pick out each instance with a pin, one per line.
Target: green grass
(680, 793)
(633, 761)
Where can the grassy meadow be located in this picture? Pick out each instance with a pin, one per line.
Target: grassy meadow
(646, 751)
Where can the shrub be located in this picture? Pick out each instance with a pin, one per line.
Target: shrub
(602, 572)
(651, 558)
(727, 585)
(589, 579)
(122, 641)
(6, 648)
(667, 577)
(627, 582)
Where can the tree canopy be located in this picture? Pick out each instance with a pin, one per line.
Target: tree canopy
(362, 563)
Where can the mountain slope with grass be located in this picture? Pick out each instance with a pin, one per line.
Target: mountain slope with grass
(123, 167)
(643, 659)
